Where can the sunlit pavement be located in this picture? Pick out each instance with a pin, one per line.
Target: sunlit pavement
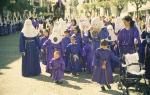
(12, 83)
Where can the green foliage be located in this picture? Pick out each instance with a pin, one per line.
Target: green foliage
(3, 3)
(105, 4)
(119, 3)
(41, 9)
(20, 6)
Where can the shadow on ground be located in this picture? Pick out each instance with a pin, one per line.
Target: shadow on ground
(67, 84)
(48, 79)
(112, 92)
(9, 51)
(42, 78)
(116, 78)
(1, 73)
(82, 78)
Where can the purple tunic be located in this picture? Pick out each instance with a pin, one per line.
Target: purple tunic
(74, 64)
(50, 50)
(87, 56)
(103, 76)
(126, 40)
(57, 68)
(65, 42)
(48, 45)
(44, 52)
(79, 40)
(30, 61)
(35, 23)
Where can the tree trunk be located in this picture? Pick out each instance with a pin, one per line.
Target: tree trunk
(105, 11)
(137, 11)
(119, 11)
(109, 11)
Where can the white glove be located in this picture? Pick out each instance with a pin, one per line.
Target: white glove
(135, 41)
(23, 53)
(42, 50)
(124, 65)
(75, 57)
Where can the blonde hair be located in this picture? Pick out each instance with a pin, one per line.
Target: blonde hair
(56, 52)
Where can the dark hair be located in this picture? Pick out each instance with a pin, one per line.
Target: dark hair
(66, 31)
(31, 18)
(129, 19)
(104, 43)
(78, 29)
(53, 19)
(46, 30)
(44, 24)
(73, 20)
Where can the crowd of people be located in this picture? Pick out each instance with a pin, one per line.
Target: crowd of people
(9, 26)
(94, 46)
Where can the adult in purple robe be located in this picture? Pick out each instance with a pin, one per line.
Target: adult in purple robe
(128, 37)
(29, 47)
(73, 53)
(65, 42)
(102, 72)
(87, 53)
(57, 67)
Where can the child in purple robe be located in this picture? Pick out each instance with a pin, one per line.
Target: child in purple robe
(102, 72)
(71, 27)
(73, 54)
(87, 53)
(77, 33)
(44, 50)
(57, 67)
(65, 42)
(49, 54)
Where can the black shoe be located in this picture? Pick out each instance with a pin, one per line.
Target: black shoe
(108, 86)
(58, 82)
(74, 74)
(103, 88)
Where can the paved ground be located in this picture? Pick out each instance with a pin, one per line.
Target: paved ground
(12, 83)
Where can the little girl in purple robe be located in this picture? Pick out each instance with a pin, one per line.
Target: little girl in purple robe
(57, 67)
(102, 72)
